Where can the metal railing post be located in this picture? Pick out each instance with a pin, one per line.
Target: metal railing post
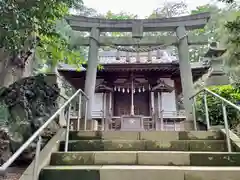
(36, 163)
(79, 111)
(85, 118)
(226, 127)
(206, 110)
(161, 120)
(38, 132)
(194, 114)
(68, 127)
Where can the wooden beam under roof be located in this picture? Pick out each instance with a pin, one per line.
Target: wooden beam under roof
(145, 41)
(81, 23)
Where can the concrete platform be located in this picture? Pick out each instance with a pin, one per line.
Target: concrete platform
(139, 173)
(146, 158)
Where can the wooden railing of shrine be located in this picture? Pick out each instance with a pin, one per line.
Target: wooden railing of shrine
(166, 121)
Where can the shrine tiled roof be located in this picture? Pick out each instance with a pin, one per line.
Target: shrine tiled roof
(161, 60)
(69, 67)
(108, 57)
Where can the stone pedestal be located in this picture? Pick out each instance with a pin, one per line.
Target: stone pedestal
(132, 123)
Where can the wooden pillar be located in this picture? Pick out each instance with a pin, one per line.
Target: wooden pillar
(185, 72)
(153, 109)
(152, 102)
(104, 112)
(132, 99)
(91, 76)
(109, 112)
(160, 114)
(110, 102)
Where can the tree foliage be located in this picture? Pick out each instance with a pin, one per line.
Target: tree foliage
(25, 23)
(20, 18)
(170, 9)
(59, 47)
(228, 92)
(231, 40)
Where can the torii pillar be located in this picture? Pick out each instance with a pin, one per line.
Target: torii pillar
(90, 82)
(186, 75)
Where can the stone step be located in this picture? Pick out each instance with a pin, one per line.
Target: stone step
(139, 173)
(145, 145)
(146, 158)
(146, 135)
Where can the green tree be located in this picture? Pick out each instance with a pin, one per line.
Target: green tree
(210, 30)
(21, 22)
(232, 41)
(170, 9)
(122, 15)
(59, 48)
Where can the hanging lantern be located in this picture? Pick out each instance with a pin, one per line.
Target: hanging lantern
(143, 89)
(158, 54)
(133, 90)
(127, 57)
(149, 56)
(115, 88)
(119, 89)
(123, 90)
(128, 90)
(138, 57)
(118, 55)
(139, 89)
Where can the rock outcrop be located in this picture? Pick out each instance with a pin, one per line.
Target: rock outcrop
(27, 103)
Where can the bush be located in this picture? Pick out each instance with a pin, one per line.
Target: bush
(229, 92)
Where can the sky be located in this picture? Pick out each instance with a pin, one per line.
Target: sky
(140, 7)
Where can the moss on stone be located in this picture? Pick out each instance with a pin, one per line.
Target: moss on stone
(124, 145)
(191, 177)
(84, 145)
(210, 145)
(200, 135)
(141, 145)
(72, 159)
(85, 135)
(71, 174)
(211, 159)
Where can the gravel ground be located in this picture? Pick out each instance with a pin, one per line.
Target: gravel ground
(14, 173)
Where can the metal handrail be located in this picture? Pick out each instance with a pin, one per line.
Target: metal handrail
(4, 167)
(216, 95)
(224, 103)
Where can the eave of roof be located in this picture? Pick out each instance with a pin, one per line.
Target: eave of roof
(114, 67)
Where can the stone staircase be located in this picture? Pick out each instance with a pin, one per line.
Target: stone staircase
(198, 155)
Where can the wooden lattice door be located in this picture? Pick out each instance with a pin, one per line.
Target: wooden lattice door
(122, 103)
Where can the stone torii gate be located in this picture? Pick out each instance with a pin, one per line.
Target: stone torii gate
(179, 25)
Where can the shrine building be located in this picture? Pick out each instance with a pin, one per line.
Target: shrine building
(142, 85)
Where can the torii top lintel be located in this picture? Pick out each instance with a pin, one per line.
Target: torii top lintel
(81, 23)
